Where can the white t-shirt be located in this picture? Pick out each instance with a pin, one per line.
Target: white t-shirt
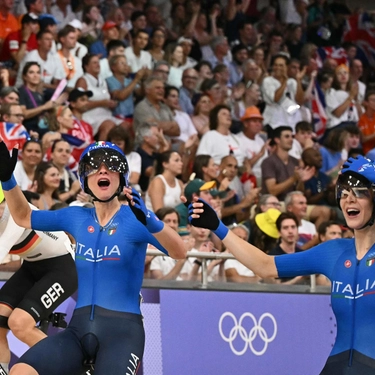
(164, 264)
(218, 146)
(21, 177)
(250, 148)
(288, 12)
(175, 77)
(135, 162)
(361, 91)
(296, 150)
(105, 70)
(276, 113)
(185, 124)
(306, 231)
(49, 69)
(334, 98)
(239, 267)
(135, 62)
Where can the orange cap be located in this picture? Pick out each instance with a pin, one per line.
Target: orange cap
(252, 112)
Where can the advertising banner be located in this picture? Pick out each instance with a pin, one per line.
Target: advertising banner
(207, 332)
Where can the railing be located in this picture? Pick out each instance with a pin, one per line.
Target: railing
(205, 256)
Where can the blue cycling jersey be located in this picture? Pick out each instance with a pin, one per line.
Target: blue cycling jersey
(352, 292)
(109, 260)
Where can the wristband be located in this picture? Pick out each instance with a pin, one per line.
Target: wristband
(10, 184)
(24, 42)
(153, 224)
(221, 231)
(198, 262)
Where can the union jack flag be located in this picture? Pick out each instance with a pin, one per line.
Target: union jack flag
(13, 134)
(360, 30)
(338, 54)
(318, 105)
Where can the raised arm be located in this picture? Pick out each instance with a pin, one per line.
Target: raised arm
(202, 215)
(17, 203)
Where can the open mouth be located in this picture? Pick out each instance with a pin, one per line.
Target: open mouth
(352, 212)
(103, 182)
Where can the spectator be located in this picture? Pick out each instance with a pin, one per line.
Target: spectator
(204, 70)
(220, 50)
(114, 48)
(294, 40)
(9, 94)
(205, 168)
(234, 270)
(32, 102)
(116, 15)
(187, 141)
(165, 189)
(303, 139)
(253, 145)
(188, 90)
(109, 32)
(282, 95)
(174, 56)
(48, 23)
(238, 201)
(329, 230)
(244, 97)
(157, 39)
(136, 55)
(122, 139)
(25, 168)
(356, 72)
(63, 13)
(296, 203)
(287, 225)
(219, 141)
(221, 74)
(197, 188)
(70, 188)
(47, 182)
(202, 107)
(367, 122)
(281, 173)
(67, 37)
(60, 122)
(18, 43)
(79, 49)
(212, 88)
(51, 68)
(319, 189)
(152, 109)
(82, 131)
(251, 72)
(139, 22)
(8, 22)
(99, 107)
(122, 88)
(343, 107)
(263, 231)
(151, 142)
(161, 70)
(265, 202)
(187, 61)
(240, 55)
(92, 23)
(165, 267)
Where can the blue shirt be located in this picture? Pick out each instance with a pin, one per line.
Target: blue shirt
(330, 159)
(98, 48)
(109, 260)
(185, 101)
(125, 107)
(352, 291)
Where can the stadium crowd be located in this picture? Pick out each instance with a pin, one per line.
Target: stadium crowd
(251, 105)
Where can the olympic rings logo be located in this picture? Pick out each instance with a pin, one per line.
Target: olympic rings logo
(248, 337)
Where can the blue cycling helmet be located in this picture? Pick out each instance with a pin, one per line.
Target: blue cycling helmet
(357, 175)
(99, 153)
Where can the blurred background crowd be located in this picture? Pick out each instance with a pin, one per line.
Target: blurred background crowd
(252, 105)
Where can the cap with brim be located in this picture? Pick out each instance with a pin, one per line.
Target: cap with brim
(197, 185)
(266, 222)
(47, 19)
(77, 93)
(252, 113)
(77, 24)
(108, 25)
(183, 231)
(29, 18)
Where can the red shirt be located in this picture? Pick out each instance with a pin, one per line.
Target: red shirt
(12, 43)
